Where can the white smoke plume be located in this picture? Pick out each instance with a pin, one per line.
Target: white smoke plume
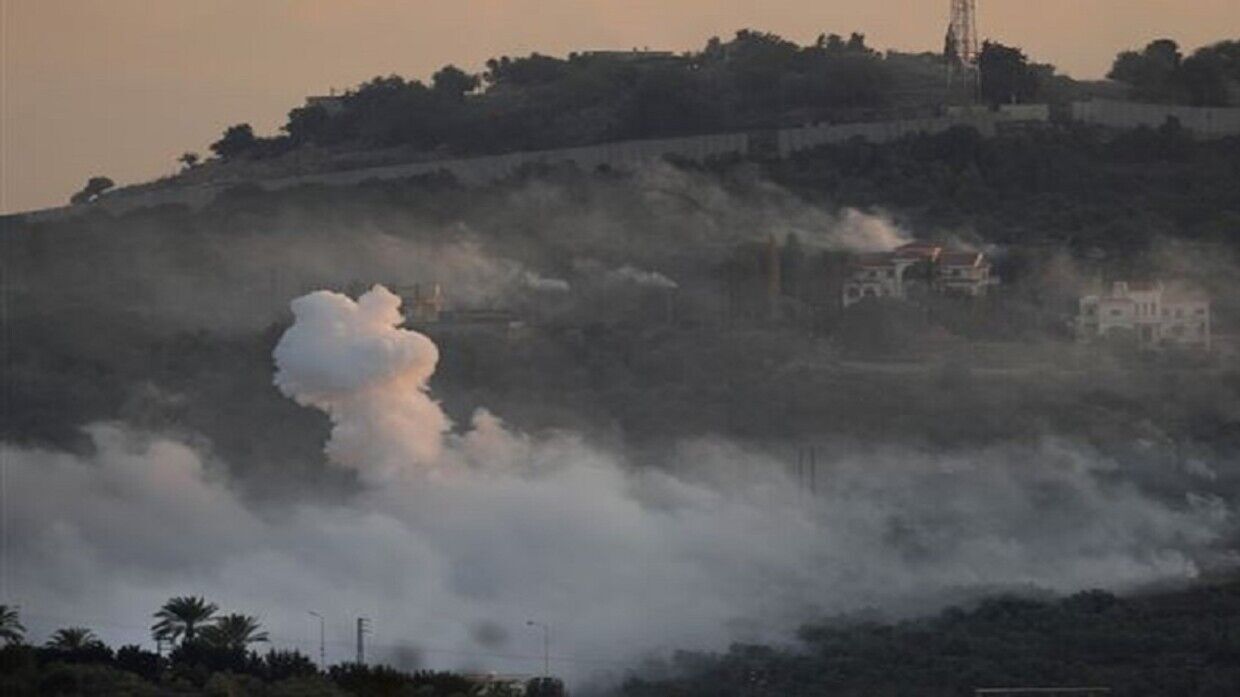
(457, 533)
(536, 282)
(856, 231)
(645, 279)
(350, 360)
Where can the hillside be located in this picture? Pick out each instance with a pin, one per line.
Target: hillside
(1164, 643)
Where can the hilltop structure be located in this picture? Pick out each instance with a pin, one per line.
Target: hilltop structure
(915, 269)
(1153, 314)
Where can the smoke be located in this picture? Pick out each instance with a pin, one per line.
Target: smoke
(458, 537)
(452, 532)
(855, 231)
(533, 281)
(348, 359)
(645, 279)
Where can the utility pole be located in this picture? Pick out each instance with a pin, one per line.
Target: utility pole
(363, 628)
(546, 645)
(322, 641)
(807, 469)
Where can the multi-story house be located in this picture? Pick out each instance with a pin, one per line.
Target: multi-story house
(1153, 314)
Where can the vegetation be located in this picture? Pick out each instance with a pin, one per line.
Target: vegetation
(74, 639)
(94, 188)
(215, 660)
(1172, 643)
(756, 79)
(234, 631)
(1160, 73)
(1182, 642)
(11, 629)
(1006, 75)
(180, 618)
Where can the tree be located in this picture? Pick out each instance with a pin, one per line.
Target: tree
(307, 124)
(181, 617)
(234, 631)
(237, 140)
(95, 186)
(11, 629)
(1204, 80)
(188, 159)
(134, 659)
(454, 83)
(856, 43)
(1153, 74)
(1006, 77)
(74, 639)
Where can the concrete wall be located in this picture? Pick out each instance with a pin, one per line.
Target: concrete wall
(1205, 122)
(481, 170)
(793, 140)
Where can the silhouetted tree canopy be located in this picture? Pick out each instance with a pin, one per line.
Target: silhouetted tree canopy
(1006, 76)
(94, 188)
(237, 140)
(1161, 73)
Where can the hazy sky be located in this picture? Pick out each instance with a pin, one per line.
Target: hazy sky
(121, 87)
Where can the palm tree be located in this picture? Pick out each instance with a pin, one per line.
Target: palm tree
(74, 639)
(181, 617)
(11, 629)
(234, 631)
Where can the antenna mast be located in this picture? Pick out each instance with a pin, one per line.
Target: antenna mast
(961, 48)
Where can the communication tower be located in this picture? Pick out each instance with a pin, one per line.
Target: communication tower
(961, 48)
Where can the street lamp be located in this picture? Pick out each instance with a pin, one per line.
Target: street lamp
(546, 645)
(322, 641)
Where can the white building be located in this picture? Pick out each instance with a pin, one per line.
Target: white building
(914, 268)
(1151, 313)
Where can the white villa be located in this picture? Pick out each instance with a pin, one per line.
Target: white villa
(1153, 313)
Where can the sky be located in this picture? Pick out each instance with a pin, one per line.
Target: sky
(122, 87)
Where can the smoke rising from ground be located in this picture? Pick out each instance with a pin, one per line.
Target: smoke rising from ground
(456, 538)
(349, 359)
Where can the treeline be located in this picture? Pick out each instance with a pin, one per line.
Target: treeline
(754, 80)
(1161, 73)
(1183, 643)
(210, 654)
(1097, 194)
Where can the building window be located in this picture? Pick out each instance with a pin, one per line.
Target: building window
(1116, 313)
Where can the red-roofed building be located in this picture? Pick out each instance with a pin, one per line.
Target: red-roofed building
(917, 267)
(963, 273)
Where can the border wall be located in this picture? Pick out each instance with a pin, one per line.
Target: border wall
(1204, 122)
